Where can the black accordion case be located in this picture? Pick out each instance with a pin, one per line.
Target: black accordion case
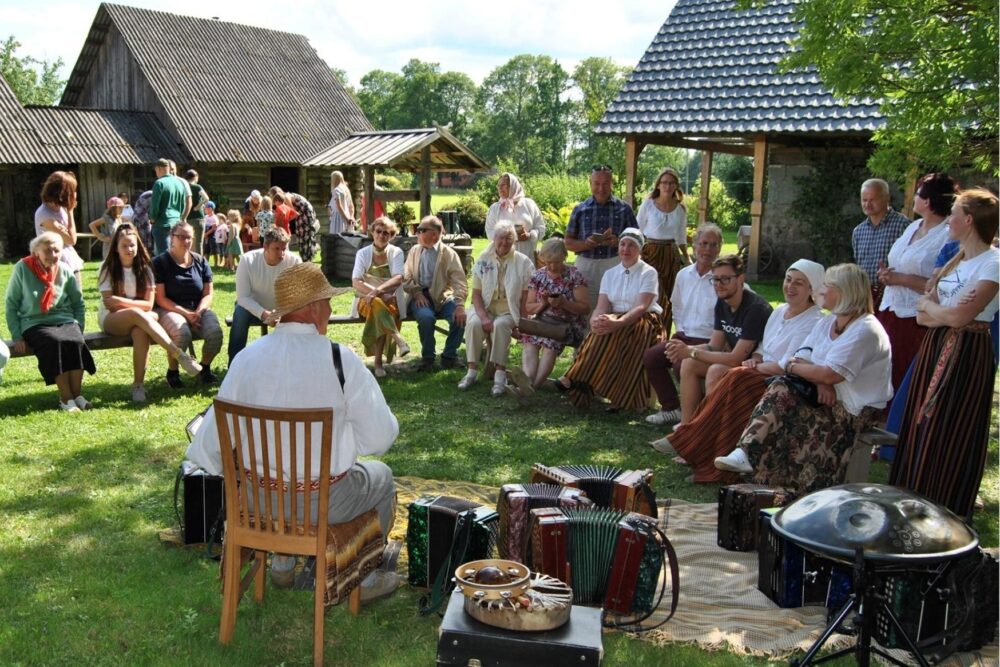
(432, 531)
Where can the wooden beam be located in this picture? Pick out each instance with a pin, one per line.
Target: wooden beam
(633, 149)
(397, 195)
(706, 145)
(425, 182)
(706, 186)
(369, 196)
(909, 192)
(757, 206)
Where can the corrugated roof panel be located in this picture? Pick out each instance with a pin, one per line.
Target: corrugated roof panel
(393, 147)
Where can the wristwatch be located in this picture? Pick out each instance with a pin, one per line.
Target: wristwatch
(694, 353)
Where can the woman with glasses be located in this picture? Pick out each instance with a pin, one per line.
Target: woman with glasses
(184, 302)
(125, 281)
(623, 325)
(800, 434)
(520, 211)
(379, 297)
(946, 422)
(662, 220)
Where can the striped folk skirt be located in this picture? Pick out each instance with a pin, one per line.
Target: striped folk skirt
(905, 336)
(611, 366)
(945, 431)
(715, 428)
(381, 319)
(666, 258)
(59, 348)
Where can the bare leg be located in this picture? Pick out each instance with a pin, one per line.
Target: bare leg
(379, 347)
(121, 323)
(715, 373)
(62, 385)
(75, 379)
(529, 362)
(546, 365)
(692, 372)
(140, 355)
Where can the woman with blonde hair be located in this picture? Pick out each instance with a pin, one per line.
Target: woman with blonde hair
(378, 286)
(800, 434)
(662, 220)
(946, 423)
(340, 206)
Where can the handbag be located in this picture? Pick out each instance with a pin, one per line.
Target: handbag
(805, 389)
(545, 326)
(374, 281)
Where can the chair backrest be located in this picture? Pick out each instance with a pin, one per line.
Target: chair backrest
(270, 453)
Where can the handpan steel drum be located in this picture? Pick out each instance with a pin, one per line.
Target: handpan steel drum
(891, 524)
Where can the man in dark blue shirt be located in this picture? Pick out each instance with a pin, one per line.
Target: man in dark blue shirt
(594, 226)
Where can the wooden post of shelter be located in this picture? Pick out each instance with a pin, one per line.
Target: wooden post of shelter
(369, 196)
(909, 192)
(757, 206)
(633, 148)
(425, 182)
(706, 186)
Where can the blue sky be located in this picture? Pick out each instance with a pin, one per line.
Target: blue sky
(359, 36)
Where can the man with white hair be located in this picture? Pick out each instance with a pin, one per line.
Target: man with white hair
(873, 238)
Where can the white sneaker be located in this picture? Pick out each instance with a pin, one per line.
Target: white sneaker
(498, 389)
(138, 394)
(664, 417)
(379, 584)
(467, 381)
(737, 461)
(69, 406)
(82, 403)
(190, 366)
(663, 446)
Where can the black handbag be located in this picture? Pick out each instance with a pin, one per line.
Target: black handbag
(805, 389)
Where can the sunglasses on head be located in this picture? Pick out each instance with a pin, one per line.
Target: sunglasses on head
(600, 167)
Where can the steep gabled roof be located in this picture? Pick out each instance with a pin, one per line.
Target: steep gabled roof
(711, 70)
(234, 93)
(18, 144)
(402, 150)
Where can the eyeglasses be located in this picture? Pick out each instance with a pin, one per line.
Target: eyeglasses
(722, 280)
(383, 232)
(601, 167)
(421, 230)
(183, 237)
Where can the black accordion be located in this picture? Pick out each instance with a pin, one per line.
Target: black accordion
(443, 530)
(606, 486)
(608, 557)
(514, 506)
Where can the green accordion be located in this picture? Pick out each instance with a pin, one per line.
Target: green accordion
(444, 532)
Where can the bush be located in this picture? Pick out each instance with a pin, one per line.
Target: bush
(723, 210)
(556, 221)
(401, 213)
(388, 182)
(472, 215)
(554, 191)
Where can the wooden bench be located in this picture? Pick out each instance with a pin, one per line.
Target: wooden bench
(96, 340)
(345, 319)
(861, 453)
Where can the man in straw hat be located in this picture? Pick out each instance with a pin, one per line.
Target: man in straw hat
(293, 367)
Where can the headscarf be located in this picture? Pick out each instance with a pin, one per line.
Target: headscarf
(515, 192)
(48, 278)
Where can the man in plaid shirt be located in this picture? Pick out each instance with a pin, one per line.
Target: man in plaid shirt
(593, 229)
(873, 238)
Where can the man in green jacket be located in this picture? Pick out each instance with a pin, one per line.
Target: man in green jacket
(168, 207)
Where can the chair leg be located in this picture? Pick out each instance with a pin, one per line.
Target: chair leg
(259, 578)
(319, 615)
(230, 592)
(354, 600)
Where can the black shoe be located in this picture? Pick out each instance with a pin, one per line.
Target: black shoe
(449, 362)
(207, 377)
(174, 380)
(426, 365)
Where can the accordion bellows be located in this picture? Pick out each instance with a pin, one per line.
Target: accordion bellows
(606, 486)
(608, 557)
(514, 505)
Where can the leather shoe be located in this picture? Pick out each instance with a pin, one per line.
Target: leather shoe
(379, 584)
(449, 362)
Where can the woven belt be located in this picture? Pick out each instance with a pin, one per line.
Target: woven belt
(661, 241)
(265, 482)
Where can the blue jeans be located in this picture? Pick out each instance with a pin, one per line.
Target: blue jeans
(242, 321)
(161, 239)
(426, 317)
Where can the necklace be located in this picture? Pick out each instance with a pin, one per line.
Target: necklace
(837, 329)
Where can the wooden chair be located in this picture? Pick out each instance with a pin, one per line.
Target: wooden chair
(274, 526)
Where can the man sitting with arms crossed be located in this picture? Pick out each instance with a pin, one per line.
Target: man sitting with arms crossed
(293, 368)
(255, 278)
(740, 318)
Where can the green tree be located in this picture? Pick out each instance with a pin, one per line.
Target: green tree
(931, 65)
(33, 81)
(522, 114)
(341, 75)
(378, 99)
(599, 81)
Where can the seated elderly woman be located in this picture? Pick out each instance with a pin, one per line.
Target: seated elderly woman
(45, 312)
(623, 325)
(800, 434)
(378, 286)
(126, 285)
(184, 302)
(499, 293)
(720, 418)
(557, 295)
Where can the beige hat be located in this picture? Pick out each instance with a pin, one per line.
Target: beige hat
(298, 286)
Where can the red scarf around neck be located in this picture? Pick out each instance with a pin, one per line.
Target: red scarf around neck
(48, 279)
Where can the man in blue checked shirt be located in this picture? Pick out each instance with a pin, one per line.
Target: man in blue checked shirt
(873, 238)
(594, 227)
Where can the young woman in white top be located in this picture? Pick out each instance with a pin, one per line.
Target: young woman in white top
(799, 443)
(946, 422)
(910, 264)
(126, 285)
(56, 215)
(520, 211)
(662, 220)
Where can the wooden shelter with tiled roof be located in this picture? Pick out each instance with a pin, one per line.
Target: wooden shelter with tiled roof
(710, 81)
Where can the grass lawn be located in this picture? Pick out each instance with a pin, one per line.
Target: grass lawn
(85, 579)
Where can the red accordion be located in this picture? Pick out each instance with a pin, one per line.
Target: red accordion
(514, 505)
(606, 486)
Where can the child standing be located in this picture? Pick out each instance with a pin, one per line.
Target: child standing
(234, 249)
(265, 216)
(221, 237)
(104, 227)
(211, 249)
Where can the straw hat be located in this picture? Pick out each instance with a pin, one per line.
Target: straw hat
(298, 286)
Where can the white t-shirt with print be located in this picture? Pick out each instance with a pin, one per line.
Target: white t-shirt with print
(960, 281)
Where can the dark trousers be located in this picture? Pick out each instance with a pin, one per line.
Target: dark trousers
(659, 371)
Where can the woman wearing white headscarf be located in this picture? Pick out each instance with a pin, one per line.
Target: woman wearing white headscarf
(520, 211)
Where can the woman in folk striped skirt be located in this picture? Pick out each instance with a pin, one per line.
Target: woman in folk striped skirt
(733, 392)
(662, 220)
(623, 325)
(946, 422)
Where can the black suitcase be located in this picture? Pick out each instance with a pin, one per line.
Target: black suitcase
(739, 507)
(204, 500)
(465, 641)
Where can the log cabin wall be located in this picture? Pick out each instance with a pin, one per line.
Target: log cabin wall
(229, 184)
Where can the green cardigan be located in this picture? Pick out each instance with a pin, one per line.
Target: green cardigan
(24, 292)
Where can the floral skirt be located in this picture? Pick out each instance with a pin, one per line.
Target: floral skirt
(798, 448)
(381, 319)
(611, 366)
